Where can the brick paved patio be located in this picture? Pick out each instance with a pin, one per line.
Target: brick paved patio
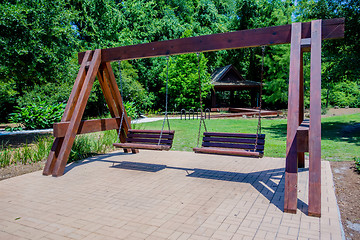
(164, 195)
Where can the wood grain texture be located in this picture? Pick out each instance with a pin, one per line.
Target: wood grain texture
(232, 145)
(236, 135)
(301, 154)
(232, 152)
(290, 198)
(233, 140)
(143, 146)
(302, 137)
(116, 96)
(148, 135)
(87, 126)
(315, 122)
(77, 115)
(332, 28)
(57, 144)
(107, 93)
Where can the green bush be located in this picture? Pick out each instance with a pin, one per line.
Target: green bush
(39, 115)
(131, 110)
(7, 99)
(357, 163)
(345, 94)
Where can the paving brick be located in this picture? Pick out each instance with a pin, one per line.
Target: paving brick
(219, 197)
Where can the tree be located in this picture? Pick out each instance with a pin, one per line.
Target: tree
(183, 86)
(37, 40)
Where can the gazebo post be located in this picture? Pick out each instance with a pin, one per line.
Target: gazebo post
(213, 98)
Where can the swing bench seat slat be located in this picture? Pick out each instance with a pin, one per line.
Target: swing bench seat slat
(235, 144)
(148, 139)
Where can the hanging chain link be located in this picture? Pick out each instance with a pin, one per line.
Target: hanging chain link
(166, 101)
(123, 107)
(258, 131)
(200, 97)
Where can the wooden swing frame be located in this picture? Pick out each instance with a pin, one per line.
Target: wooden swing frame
(302, 136)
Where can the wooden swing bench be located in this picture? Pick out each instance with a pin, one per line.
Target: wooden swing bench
(235, 144)
(147, 139)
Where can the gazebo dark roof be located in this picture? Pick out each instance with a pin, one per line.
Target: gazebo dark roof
(229, 78)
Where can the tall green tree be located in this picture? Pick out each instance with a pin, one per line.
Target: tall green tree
(37, 39)
(183, 85)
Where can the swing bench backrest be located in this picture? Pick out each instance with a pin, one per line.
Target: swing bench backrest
(241, 144)
(148, 139)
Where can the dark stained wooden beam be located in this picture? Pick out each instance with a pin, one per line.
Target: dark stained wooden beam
(77, 114)
(301, 154)
(291, 166)
(88, 126)
(231, 152)
(142, 146)
(315, 122)
(69, 109)
(331, 28)
(302, 136)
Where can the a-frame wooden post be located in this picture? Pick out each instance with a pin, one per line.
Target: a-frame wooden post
(304, 135)
(71, 124)
(315, 122)
(291, 168)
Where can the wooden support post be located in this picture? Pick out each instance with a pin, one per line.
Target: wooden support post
(213, 98)
(301, 155)
(315, 122)
(69, 109)
(290, 195)
(114, 89)
(231, 98)
(77, 115)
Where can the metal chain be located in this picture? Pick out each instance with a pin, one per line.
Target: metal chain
(258, 131)
(123, 107)
(200, 97)
(166, 101)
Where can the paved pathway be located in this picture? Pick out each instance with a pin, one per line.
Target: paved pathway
(164, 195)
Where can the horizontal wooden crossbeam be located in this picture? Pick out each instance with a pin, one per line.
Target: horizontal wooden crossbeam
(87, 126)
(331, 28)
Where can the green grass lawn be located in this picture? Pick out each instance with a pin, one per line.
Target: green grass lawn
(340, 134)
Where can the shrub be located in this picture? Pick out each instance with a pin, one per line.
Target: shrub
(131, 110)
(357, 163)
(7, 99)
(39, 115)
(345, 94)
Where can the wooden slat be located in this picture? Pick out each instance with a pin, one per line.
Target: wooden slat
(332, 28)
(150, 131)
(237, 135)
(315, 122)
(231, 152)
(87, 126)
(144, 135)
(234, 140)
(231, 145)
(69, 109)
(77, 115)
(148, 140)
(143, 146)
(290, 198)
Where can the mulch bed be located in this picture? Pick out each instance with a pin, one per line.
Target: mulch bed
(347, 189)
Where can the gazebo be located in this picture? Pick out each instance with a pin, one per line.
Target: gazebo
(228, 78)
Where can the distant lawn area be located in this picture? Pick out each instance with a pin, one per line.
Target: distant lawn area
(340, 134)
